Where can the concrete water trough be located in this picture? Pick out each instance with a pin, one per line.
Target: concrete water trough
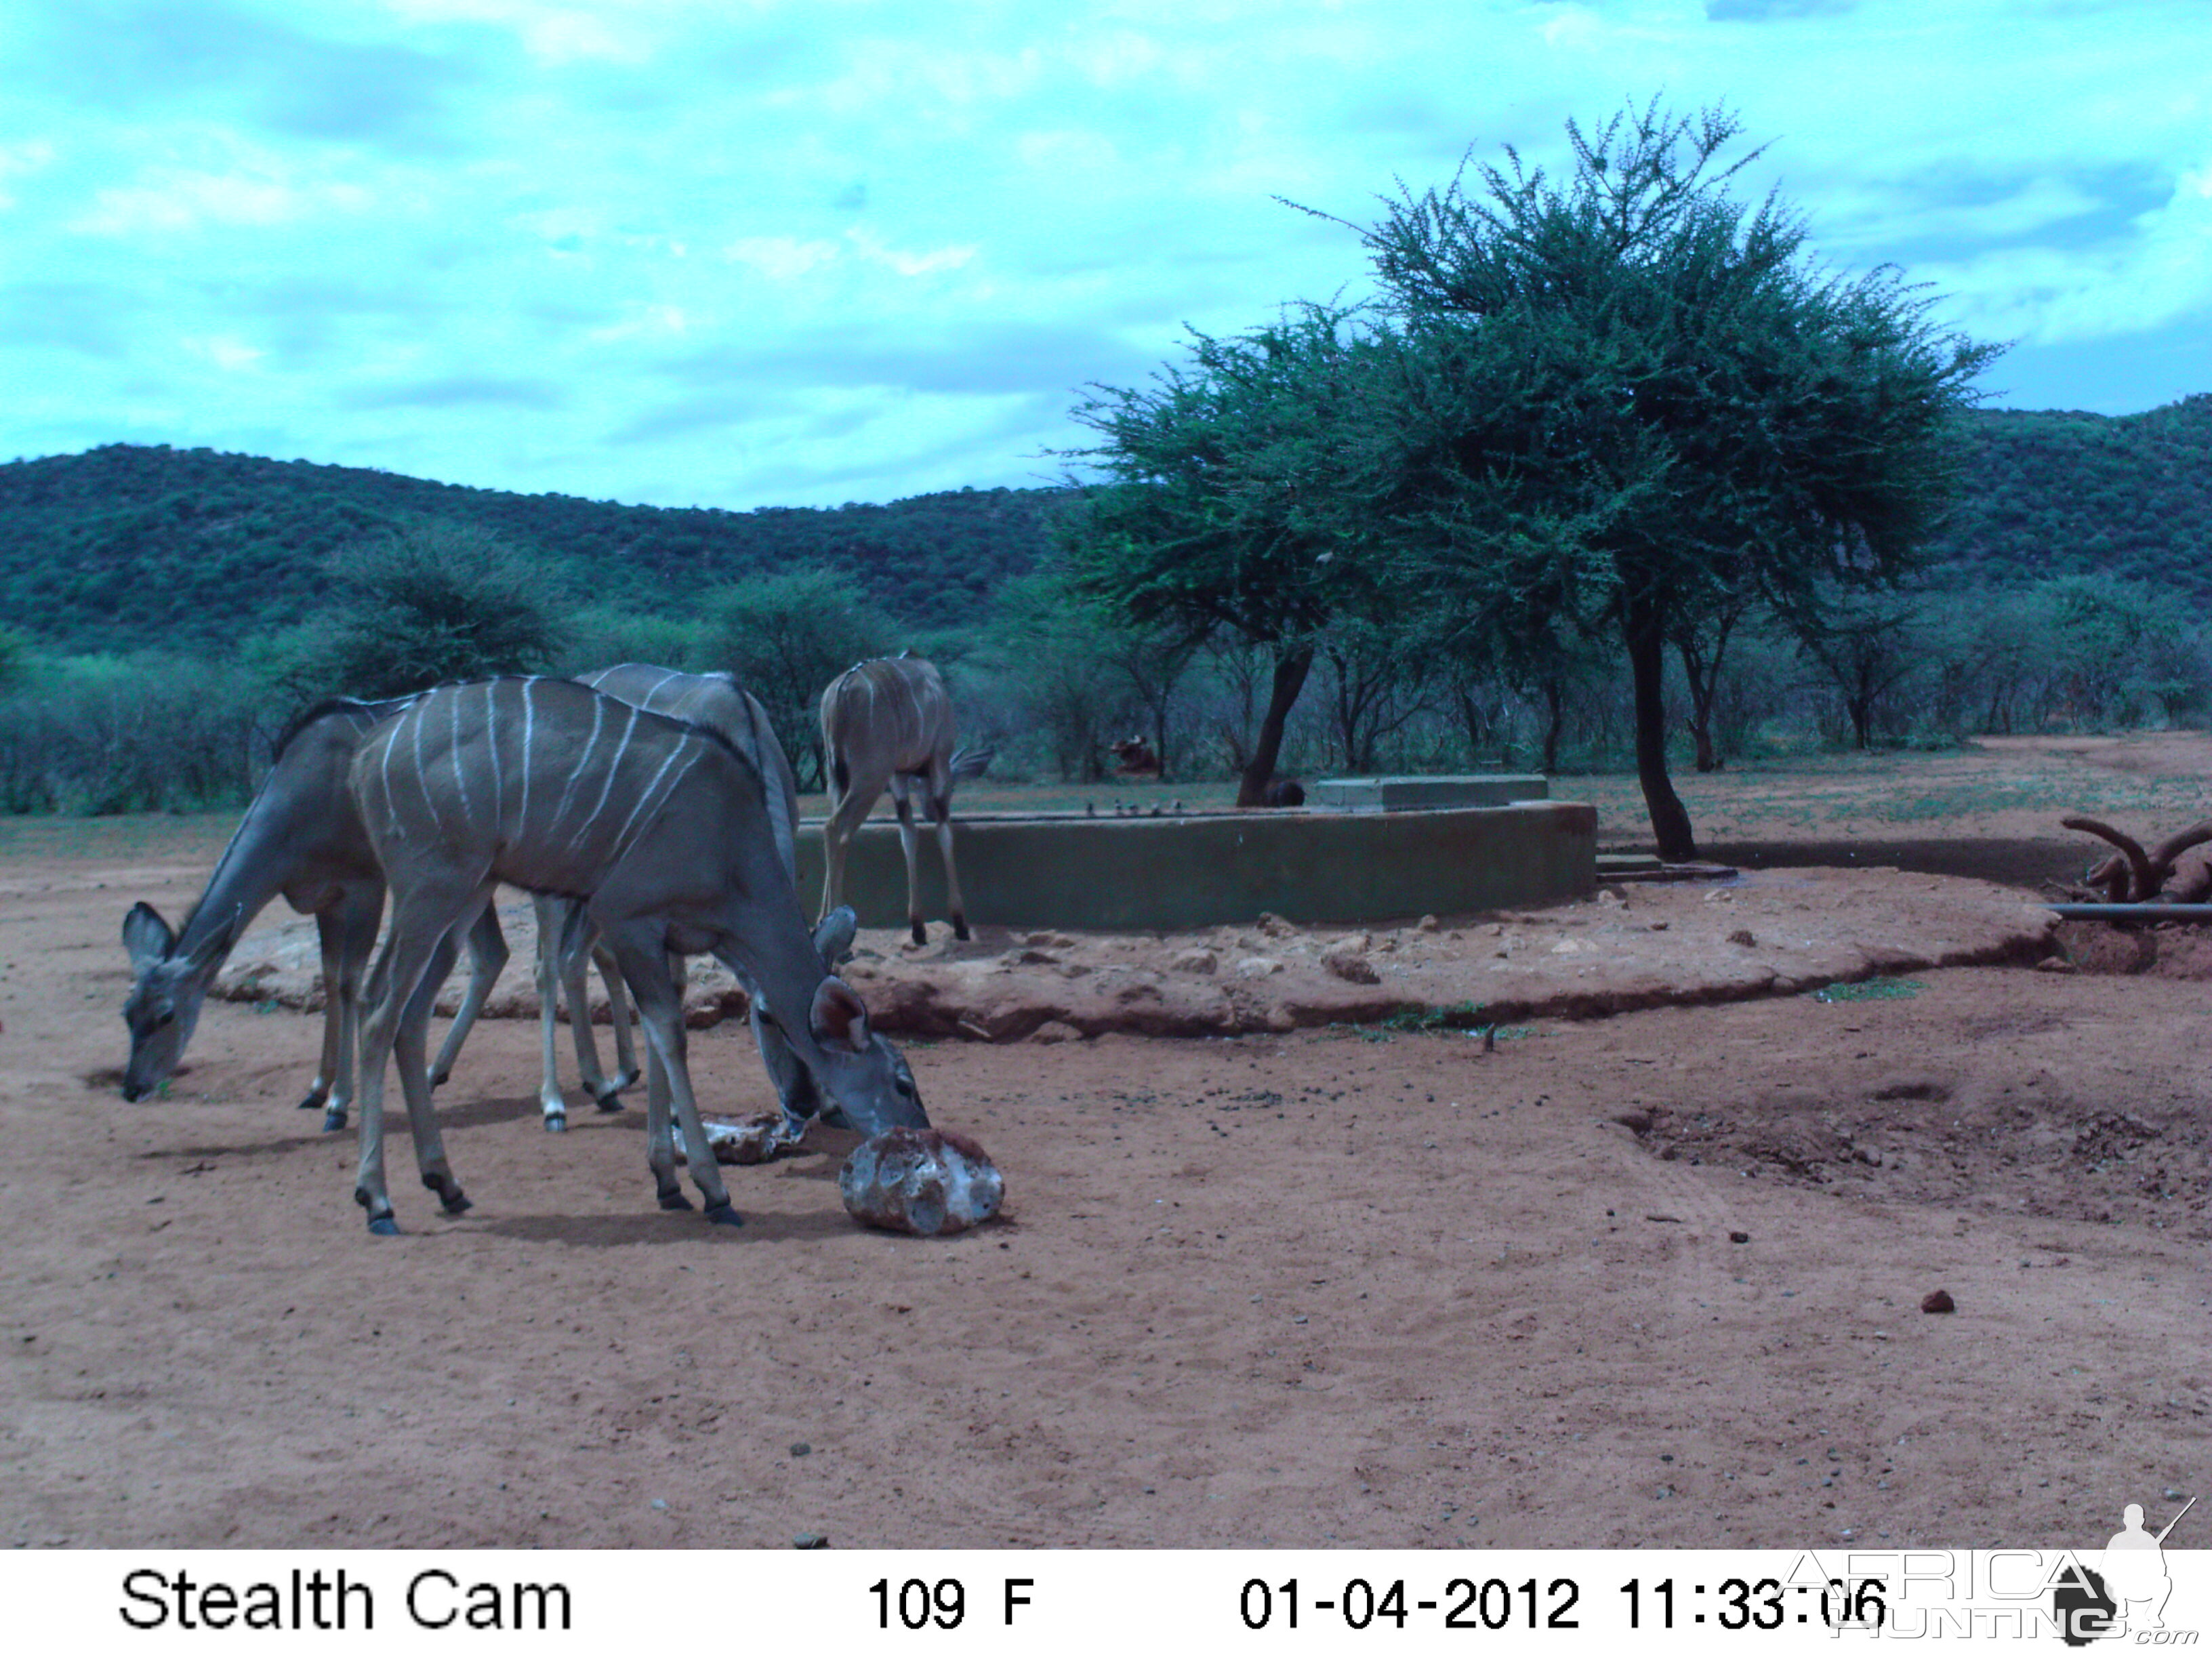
(1204, 869)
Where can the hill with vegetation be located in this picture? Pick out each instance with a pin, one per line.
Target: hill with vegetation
(127, 546)
(2051, 493)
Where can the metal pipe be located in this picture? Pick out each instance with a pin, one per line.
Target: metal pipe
(2133, 912)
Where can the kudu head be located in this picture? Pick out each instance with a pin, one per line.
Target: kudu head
(165, 993)
(865, 1080)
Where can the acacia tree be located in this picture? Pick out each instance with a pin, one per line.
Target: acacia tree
(1233, 501)
(1631, 393)
(425, 605)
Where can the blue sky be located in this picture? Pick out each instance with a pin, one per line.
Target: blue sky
(741, 253)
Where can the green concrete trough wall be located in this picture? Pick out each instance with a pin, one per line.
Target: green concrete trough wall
(1425, 793)
(1202, 870)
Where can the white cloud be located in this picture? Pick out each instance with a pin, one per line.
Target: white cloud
(907, 264)
(645, 320)
(553, 35)
(781, 259)
(226, 353)
(162, 198)
(2133, 284)
(27, 157)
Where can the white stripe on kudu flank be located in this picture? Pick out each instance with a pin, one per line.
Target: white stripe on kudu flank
(391, 806)
(583, 760)
(414, 718)
(491, 742)
(529, 713)
(460, 782)
(607, 789)
(646, 794)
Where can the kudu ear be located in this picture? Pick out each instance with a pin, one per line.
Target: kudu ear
(146, 936)
(840, 1017)
(217, 946)
(834, 935)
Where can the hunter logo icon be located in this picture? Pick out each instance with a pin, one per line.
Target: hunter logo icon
(2128, 1595)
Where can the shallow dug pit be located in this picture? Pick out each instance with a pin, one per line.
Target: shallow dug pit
(2165, 949)
(1996, 1123)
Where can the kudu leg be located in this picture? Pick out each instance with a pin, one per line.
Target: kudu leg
(326, 1068)
(552, 1107)
(848, 812)
(487, 955)
(901, 803)
(355, 916)
(626, 1068)
(410, 1050)
(645, 970)
(419, 928)
(940, 809)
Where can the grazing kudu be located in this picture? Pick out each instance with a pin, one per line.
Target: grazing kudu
(300, 837)
(888, 723)
(664, 831)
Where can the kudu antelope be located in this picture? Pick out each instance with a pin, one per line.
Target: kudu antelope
(664, 832)
(888, 723)
(302, 837)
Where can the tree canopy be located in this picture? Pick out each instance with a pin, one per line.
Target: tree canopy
(1235, 501)
(1630, 389)
(424, 606)
(1620, 402)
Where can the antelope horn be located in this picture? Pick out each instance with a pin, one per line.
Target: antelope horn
(2138, 864)
(2163, 856)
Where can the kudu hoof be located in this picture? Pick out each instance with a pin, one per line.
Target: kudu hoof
(725, 1214)
(920, 934)
(333, 1122)
(611, 1100)
(381, 1221)
(314, 1101)
(960, 927)
(556, 1123)
(673, 1199)
(450, 1195)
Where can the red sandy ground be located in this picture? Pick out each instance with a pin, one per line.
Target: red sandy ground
(1326, 1286)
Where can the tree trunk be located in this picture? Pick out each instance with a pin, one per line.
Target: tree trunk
(1291, 667)
(1555, 705)
(1644, 626)
(1704, 680)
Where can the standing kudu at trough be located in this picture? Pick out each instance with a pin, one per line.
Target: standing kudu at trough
(662, 830)
(888, 723)
(303, 838)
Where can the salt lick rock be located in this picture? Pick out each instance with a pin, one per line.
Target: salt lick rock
(925, 1181)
